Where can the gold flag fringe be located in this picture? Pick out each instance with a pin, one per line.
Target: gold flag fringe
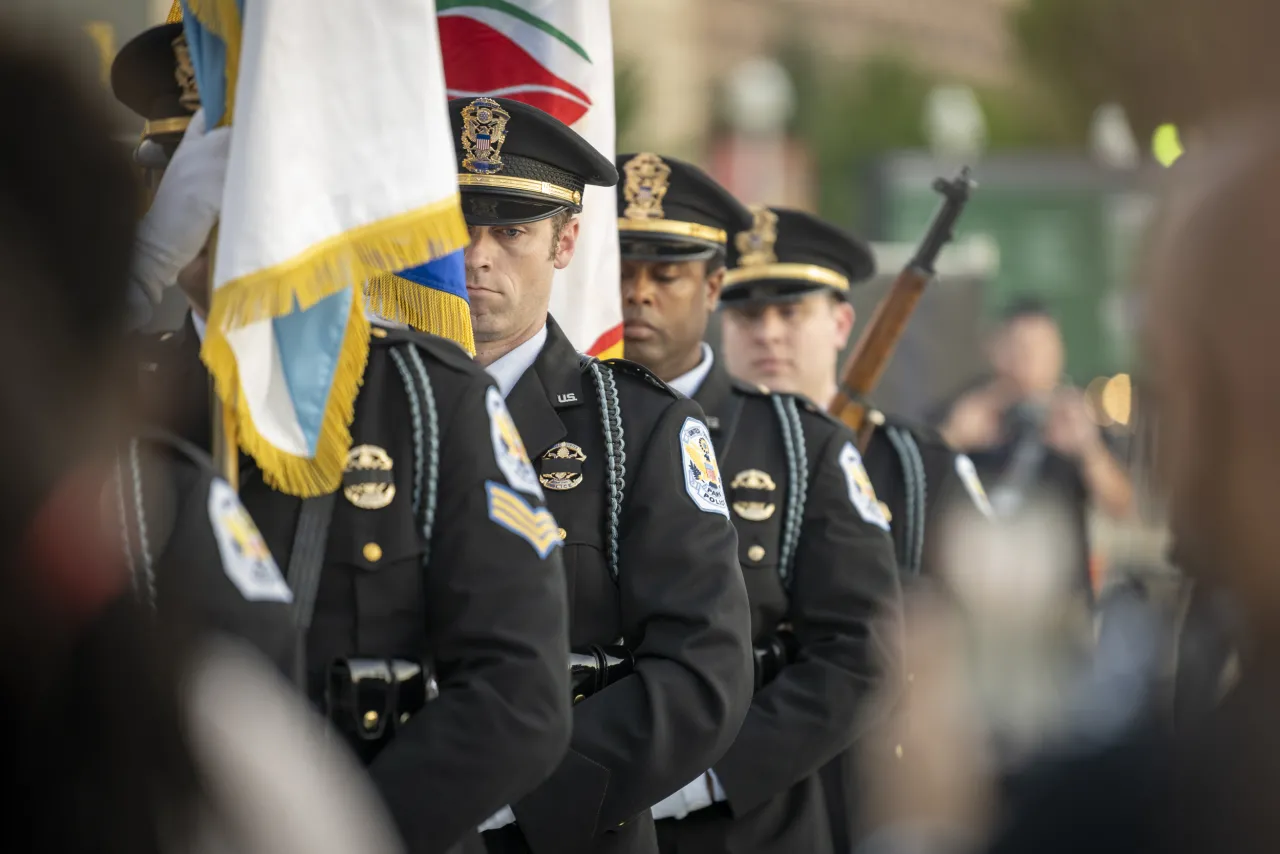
(222, 19)
(396, 243)
(423, 308)
(300, 476)
(175, 13)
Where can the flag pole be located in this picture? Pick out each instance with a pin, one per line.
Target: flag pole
(225, 452)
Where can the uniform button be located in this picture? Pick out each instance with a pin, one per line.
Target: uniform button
(377, 332)
(578, 699)
(756, 553)
(370, 720)
(876, 417)
(404, 717)
(564, 535)
(166, 336)
(372, 552)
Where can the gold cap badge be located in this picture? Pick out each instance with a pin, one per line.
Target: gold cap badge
(367, 481)
(484, 130)
(647, 181)
(755, 246)
(754, 509)
(562, 467)
(185, 74)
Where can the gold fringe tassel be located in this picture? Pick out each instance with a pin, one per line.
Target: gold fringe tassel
(421, 307)
(396, 243)
(222, 19)
(175, 13)
(300, 476)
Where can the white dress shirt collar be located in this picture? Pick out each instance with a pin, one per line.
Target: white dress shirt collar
(689, 383)
(508, 370)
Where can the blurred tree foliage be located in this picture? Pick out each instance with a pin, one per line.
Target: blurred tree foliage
(1162, 60)
(851, 115)
(628, 93)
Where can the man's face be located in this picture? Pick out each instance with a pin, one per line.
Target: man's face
(509, 272)
(1029, 352)
(788, 346)
(665, 306)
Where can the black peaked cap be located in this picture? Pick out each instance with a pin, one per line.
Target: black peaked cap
(672, 210)
(788, 253)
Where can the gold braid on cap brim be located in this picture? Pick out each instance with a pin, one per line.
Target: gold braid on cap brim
(792, 272)
(529, 185)
(674, 227)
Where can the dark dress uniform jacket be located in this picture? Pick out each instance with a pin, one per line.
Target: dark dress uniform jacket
(183, 539)
(843, 581)
(679, 604)
(486, 611)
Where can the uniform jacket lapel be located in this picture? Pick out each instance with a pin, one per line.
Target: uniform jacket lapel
(723, 408)
(553, 383)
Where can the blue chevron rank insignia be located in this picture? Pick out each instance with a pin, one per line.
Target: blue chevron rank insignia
(536, 526)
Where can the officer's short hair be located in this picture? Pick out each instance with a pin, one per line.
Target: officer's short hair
(558, 223)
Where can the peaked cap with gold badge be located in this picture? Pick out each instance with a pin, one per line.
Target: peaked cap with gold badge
(518, 164)
(673, 211)
(786, 254)
(153, 76)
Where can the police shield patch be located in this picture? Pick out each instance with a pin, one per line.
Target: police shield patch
(245, 556)
(973, 484)
(534, 525)
(701, 472)
(861, 493)
(508, 447)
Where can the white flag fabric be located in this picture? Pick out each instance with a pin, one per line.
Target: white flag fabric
(556, 55)
(341, 169)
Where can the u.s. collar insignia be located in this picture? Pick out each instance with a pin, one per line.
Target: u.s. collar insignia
(701, 472)
(185, 74)
(484, 129)
(562, 466)
(755, 246)
(861, 493)
(752, 495)
(368, 482)
(508, 447)
(646, 186)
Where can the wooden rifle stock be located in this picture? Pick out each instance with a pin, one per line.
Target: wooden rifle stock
(876, 344)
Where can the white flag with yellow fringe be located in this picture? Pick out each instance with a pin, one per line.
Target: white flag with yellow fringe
(341, 170)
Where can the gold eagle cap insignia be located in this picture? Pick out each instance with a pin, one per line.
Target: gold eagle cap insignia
(646, 183)
(755, 245)
(484, 130)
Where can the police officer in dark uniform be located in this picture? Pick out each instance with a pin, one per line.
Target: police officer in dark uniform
(631, 475)
(812, 539)
(786, 318)
(429, 589)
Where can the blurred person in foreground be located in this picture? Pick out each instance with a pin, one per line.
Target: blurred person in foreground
(435, 561)
(1213, 356)
(129, 729)
(819, 565)
(786, 318)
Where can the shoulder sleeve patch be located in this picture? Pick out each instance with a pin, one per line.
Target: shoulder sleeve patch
(536, 526)
(245, 557)
(508, 447)
(701, 472)
(861, 493)
(968, 473)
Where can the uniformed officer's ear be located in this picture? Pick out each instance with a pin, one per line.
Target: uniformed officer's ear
(844, 322)
(566, 243)
(715, 284)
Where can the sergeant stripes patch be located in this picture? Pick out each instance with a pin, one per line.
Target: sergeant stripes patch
(536, 526)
